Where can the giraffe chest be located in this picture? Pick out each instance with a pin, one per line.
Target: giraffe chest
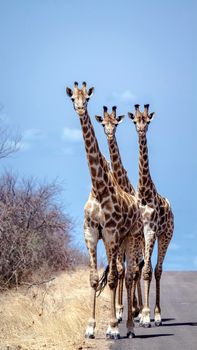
(156, 215)
(121, 215)
(94, 212)
(114, 214)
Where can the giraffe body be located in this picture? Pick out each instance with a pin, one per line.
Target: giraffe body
(157, 217)
(110, 123)
(116, 216)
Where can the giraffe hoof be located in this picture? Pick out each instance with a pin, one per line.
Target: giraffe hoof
(119, 319)
(140, 324)
(89, 336)
(158, 323)
(130, 335)
(115, 336)
(146, 325)
(108, 335)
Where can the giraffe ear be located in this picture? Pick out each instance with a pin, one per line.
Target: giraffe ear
(90, 91)
(131, 115)
(69, 92)
(151, 115)
(99, 118)
(120, 118)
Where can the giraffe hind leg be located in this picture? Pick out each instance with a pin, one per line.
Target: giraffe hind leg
(147, 276)
(137, 301)
(120, 306)
(163, 243)
(112, 280)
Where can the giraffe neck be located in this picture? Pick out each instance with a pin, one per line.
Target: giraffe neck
(146, 187)
(97, 163)
(119, 171)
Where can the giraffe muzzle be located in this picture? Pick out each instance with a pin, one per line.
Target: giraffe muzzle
(80, 111)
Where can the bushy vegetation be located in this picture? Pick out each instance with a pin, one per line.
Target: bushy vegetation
(35, 233)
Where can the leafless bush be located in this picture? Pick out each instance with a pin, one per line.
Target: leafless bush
(9, 142)
(34, 231)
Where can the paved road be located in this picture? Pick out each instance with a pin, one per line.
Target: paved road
(179, 313)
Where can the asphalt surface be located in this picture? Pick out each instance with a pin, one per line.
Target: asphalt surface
(179, 314)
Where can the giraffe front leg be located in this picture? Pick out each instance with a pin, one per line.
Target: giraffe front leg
(112, 330)
(120, 306)
(91, 239)
(138, 264)
(163, 242)
(121, 276)
(130, 286)
(141, 264)
(112, 280)
(135, 307)
(137, 267)
(90, 329)
(147, 276)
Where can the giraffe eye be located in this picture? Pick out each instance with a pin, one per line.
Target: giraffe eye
(87, 99)
(72, 99)
(134, 122)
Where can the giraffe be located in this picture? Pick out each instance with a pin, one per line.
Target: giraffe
(110, 123)
(110, 214)
(157, 216)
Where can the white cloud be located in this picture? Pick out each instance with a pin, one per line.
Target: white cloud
(127, 96)
(174, 246)
(29, 137)
(72, 135)
(24, 146)
(124, 96)
(33, 134)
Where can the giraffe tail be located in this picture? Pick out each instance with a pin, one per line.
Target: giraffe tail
(102, 281)
(141, 265)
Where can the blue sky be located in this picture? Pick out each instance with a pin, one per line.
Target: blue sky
(131, 52)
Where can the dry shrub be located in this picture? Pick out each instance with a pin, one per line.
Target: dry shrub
(34, 231)
(9, 143)
(53, 315)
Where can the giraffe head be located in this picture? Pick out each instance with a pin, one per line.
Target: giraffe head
(109, 121)
(80, 97)
(141, 119)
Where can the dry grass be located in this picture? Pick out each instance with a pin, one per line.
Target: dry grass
(51, 316)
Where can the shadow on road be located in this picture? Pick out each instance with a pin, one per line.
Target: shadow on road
(154, 335)
(180, 324)
(149, 336)
(167, 319)
(163, 320)
(194, 324)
